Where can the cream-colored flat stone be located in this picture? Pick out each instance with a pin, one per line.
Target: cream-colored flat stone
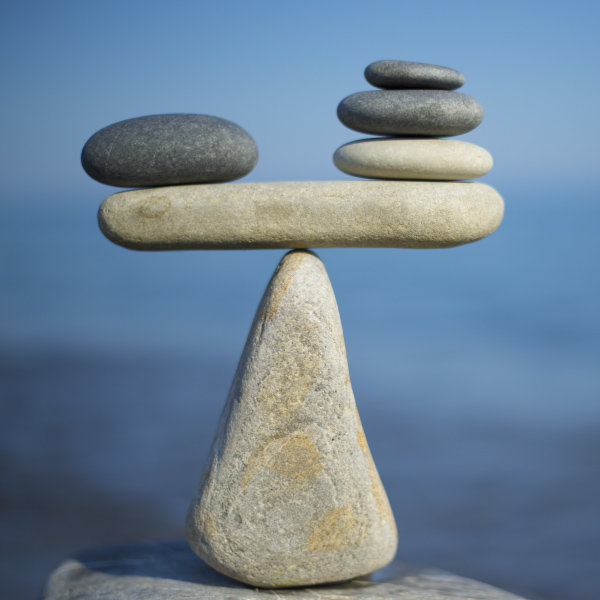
(302, 214)
(413, 158)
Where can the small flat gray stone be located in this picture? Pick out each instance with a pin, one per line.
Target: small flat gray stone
(290, 495)
(413, 158)
(169, 150)
(160, 570)
(401, 74)
(410, 112)
(302, 214)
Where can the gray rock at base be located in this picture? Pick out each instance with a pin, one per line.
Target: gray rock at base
(413, 158)
(410, 112)
(303, 214)
(290, 495)
(160, 570)
(169, 150)
(401, 74)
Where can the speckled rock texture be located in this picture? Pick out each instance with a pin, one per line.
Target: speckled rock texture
(401, 74)
(290, 495)
(410, 112)
(413, 158)
(303, 214)
(169, 570)
(169, 150)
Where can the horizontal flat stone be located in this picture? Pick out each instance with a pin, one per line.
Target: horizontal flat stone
(413, 158)
(160, 570)
(302, 214)
(401, 74)
(168, 150)
(410, 112)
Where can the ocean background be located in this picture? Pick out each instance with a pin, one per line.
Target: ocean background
(475, 370)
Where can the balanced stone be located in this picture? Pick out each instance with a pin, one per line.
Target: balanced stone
(410, 112)
(413, 158)
(401, 74)
(290, 495)
(302, 214)
(155, 570)
(169, 150)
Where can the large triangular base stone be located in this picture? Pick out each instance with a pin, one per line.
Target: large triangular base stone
(290, 495)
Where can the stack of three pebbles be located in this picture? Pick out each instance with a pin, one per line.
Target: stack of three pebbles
(416, 105)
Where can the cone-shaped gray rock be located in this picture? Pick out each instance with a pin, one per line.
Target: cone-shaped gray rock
(290, 495)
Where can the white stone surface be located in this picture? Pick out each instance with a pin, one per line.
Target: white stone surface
(290, 495)
(302, 214)
(413, 158)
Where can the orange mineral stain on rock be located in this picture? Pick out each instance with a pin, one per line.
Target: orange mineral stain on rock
(299, 457)
(293, 455)
(284, 275)
(260, 457)
(284, 386)
(377, 490)
(362, 441)
(347, 380)
(339, 529)
(342, 344)
(381, 500)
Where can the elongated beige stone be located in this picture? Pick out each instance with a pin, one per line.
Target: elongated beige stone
(303, 214)
(413, 158)
(290, 494)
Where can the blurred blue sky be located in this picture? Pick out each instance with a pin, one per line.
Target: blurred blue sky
(279, 69)
(485, 356)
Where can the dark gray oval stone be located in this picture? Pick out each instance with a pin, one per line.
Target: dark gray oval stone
(169, 150)
(401, 74)
(410, 112)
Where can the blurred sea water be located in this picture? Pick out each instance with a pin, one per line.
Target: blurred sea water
(476, 371)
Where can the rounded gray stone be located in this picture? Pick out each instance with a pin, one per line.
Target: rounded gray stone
(302, 214)
(169, 150)
(413, 158)
(154, 570)
(290, 494)
(410, 112)
(401, 74)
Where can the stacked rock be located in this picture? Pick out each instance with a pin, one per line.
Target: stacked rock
(169, 150)
(290, 495)
(416, 105)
